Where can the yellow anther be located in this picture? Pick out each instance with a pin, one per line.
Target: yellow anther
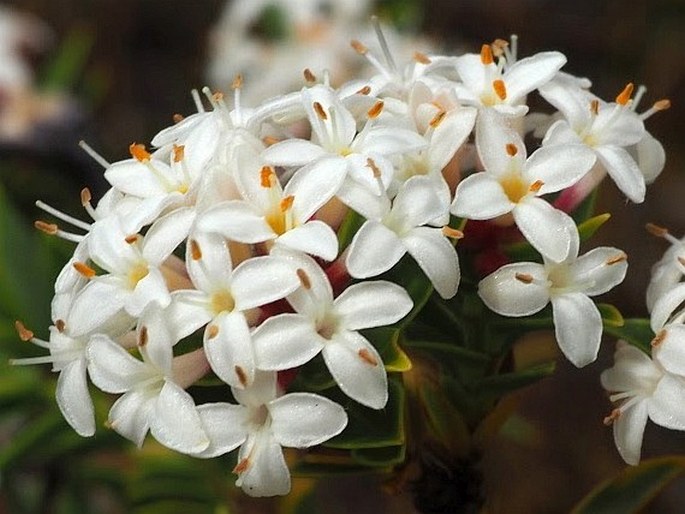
(367, 357)
(437, 119)
(286, 203)
(218, 96)
(139, 152)
(452, 233)
(511, 149)
(526, 278)
(421, 58)
(486, 55)
(267, 176)
(376, 110)
(24, 333)
(84, 269)
(359, 47)
(500, 89)
(318, 109)
(49, 228)
(195, 251)
(179, 152)
(624, 96)
(270, 140)
(536, 186)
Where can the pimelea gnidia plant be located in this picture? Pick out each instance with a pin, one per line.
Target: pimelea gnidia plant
(341, 260)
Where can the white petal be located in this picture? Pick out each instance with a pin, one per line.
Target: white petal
(373, 250)
(313, 185)
(651, 157)
(225, 425)
(112, 368)
(188, 311)
(339, 126)
(531, 72)
(361, 199)
(100, 301)
(372, 304)
(236, 220)
(293, 152)
(263, 389)
(261, 280)
(286, 341)
(150, 290)
(592, 269)
(504, 294)
(301, 420)
(449, 135)
(617, 126)
(267, 473)
(480, 197)
(437, 258)
(175, 423)
(628, 431)
(578, 327)
(314, 238)
(624, 171)
(389, 140)
(214, 268)
(73, 398)
(573, 102)
(135, 178)
(473, 72)
(108, 247)
(166, 234)
(559, 166)
(320, 292)
(415, 204)
(670, 353)
(633, 370)
(159, 340)
(665, 306)
(544, 227)
(666, 407)
(130, 414)
(357, 369)
(493, 134)
(230, 352)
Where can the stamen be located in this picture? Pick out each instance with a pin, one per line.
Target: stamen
(359, 47)
(286, 203)
(179, 152)
(84, 269)
(24, 333)
(195, 252)
(139, 152)
(94, 155)
(500, 89)
(242, 376)
(452, 233)
(656, 230)
(594, 107)
(367, 357)
(421, 58)
(499, 47)
(309, 77)
(266, 176)
(133, 238)
(609, 420)
(616, 259)
(384, 44)
(512, 150)
(526, 278)
(437, 119)
(64, 217)
(177, 118)
(376, 110)
(624, 96)
(659, 338)
(270, 140)
(143, 337)
(212, 331)
(662, 105)
(486, 55)
(60, 325)
(218, 97)
(242, 466)
(304, 278)
(370, 163)
(318, 108)
(49, 228)
(536, 186)
(198, 101)
(237, 82)
(86, 197)
(364, 91)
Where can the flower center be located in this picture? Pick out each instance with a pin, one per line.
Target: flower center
(327, 327)
(136, 274)
(514, 186)
(222, 302)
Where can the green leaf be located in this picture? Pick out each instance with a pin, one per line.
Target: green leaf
(586, 208)
(498, 385)
(633, 488)
(369, 428)
(611, 316)
(385, 457)
(65, 69)
(386, 341)
(313, 376)
(466, 365)
(348, 228)
(635, 331)
(588, 227)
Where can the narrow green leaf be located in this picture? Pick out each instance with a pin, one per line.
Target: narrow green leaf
(386, 341)
(635, 331)
(499, 385)
(586, 208)
(348, 228)
(633, 488)
(611, 316)
(587, 228)
(65, 69)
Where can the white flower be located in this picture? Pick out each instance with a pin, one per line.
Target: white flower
(384, 238)
(489, 84)
(264, 422)
(512, 184)
(524, 288)
(222, 300)
(330, 326)
(154, 396)
(645, 390)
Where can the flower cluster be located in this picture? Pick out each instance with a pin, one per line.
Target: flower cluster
(218, 252)
(652, 387)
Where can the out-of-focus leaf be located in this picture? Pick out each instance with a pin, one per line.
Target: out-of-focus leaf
(586, 208)
(67, 66)
(348, 228)
(385, 457)
(498, 385)
(611, 316)
(635, 331)
(369, 428)
(632, 489)
(467, 365)
(587, 228)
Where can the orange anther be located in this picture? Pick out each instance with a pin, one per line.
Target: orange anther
(242, 376)
(179, 152)
(139, 152)
(609, 420)
(536, 186)
(437, 119)
(195, 251)
(624, 96)
(304, 278)
(359, 47)
(452, 233)
(500, 89)
(364, 91)
(24, 333)
(526, 278)
(318, 108)
(266, 175)
(375, 111)
(242, 466)
(308, 75)
(421, 58)
(486, 55)
(656, 230)
(237, 82)
(287, 203)
(616, 259)
(86, 197)
(142, 336)
(49, 228)
(511, 149)
(84, 269)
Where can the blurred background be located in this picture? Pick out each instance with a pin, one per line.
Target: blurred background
(113, 72)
